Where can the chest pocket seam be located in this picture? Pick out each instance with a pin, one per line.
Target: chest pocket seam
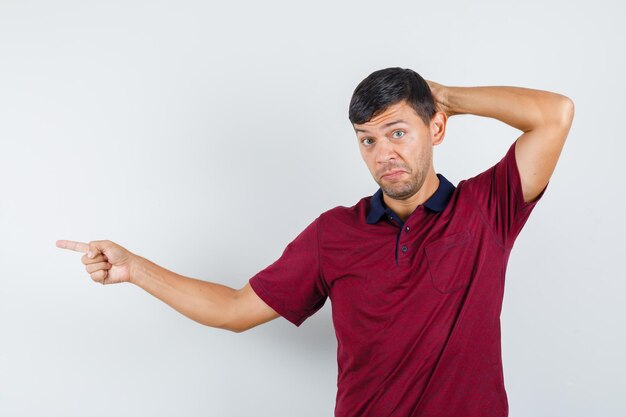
(445, 257)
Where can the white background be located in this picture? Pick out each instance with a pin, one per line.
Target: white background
(206, 137)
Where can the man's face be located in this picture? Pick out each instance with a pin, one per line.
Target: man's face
(397, 147)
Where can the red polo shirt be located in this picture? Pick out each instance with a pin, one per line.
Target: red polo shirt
(415, 305)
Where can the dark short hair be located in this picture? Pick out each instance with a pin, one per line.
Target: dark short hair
(387, 87)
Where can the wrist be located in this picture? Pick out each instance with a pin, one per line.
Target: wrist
(136, 269)
(451, 100)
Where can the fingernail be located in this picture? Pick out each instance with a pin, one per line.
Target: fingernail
(90, 255)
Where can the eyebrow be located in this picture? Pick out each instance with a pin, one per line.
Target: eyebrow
(386, 125)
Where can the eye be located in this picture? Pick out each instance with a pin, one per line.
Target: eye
(398, 131)
(364, 141)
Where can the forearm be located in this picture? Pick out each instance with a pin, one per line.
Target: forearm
(207, 303)
(523, 108)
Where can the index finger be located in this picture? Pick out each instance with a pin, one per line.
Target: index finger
(72, 245)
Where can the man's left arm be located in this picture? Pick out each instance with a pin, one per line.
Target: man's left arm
(544, 117)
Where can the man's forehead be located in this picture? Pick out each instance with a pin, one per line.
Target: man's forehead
(363, 128)
(394, 114)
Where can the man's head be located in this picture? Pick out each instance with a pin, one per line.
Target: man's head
(397, 124)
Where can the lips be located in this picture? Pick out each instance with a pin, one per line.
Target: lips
(393, 173)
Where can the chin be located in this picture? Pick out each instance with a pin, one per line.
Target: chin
(398, 194)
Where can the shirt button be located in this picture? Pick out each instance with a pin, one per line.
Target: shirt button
(406, 228)
(404, 249)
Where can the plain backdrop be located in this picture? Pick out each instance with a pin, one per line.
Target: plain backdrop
(205, 136)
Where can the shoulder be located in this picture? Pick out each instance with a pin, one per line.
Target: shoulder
(501, 175)
(347, 213)
(338, 220)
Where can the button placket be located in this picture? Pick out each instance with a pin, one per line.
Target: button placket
(405, 248)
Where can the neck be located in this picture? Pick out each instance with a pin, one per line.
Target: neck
(404, 208)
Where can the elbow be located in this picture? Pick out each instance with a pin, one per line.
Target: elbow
(237, 329)
(232, 327)
(226, 314)
(236, 322)
(557, 113)
(566, 112)
(558, 116)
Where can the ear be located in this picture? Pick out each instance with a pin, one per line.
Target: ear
(438, 127)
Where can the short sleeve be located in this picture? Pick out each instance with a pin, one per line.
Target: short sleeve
(293, 285)
(498, 193)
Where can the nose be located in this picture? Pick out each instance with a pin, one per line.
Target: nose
(386, 151)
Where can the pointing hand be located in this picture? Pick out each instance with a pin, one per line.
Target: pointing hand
(106, 262)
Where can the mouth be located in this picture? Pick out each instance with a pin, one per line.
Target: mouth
(393, 174)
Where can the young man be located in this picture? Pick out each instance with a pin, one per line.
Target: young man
(415, 272)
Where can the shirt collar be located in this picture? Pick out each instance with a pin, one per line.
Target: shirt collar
(437, 202)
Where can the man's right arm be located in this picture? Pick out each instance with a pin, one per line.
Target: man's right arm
(207, 303)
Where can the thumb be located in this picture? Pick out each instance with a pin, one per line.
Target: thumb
(97, 246)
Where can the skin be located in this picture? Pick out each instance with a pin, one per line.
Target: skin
(208, 303)
(543, 117)
(407, 146)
